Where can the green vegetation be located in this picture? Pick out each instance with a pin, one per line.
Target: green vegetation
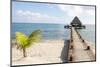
(24, 41)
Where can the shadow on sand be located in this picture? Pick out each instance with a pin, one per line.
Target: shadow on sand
(64, 53)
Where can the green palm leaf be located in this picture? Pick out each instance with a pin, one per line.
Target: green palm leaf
(35, 36)
(24, 42)
(22, 39)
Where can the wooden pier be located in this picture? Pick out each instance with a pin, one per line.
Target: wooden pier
(79, 49)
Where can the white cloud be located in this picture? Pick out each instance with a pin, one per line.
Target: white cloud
(72, 10)
(19, 11)
(85, 13)
(30, 16)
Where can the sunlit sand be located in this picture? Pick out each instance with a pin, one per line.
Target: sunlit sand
(48, 51)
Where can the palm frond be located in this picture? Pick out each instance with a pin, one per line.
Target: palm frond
(35, 36)
(21, 39)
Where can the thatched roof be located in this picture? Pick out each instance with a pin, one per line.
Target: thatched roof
(76, 21)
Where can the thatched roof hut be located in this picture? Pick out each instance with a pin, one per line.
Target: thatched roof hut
(76, 22)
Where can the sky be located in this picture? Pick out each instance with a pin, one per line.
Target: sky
(30, 12)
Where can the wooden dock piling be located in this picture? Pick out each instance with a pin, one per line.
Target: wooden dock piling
(77, 46)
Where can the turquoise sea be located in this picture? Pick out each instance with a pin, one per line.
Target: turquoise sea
(88, 33)
(52, 31)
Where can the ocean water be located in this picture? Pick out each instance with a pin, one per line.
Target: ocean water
(52, 31)
(88, 33)
(49, 31)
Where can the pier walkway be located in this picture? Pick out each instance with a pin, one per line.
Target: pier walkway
(78, 49)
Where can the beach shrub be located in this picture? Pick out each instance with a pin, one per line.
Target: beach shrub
(24, 41)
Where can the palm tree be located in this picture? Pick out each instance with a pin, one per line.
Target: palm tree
(24, 41)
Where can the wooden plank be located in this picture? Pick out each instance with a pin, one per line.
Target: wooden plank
(78, 52)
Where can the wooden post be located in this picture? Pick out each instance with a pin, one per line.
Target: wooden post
(71, 58)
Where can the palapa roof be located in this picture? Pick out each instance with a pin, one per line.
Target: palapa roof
(76, 21)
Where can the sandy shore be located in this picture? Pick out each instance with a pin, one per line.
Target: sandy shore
(49, 51)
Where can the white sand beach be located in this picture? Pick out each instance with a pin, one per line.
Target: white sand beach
(44, 52)
(48, 51)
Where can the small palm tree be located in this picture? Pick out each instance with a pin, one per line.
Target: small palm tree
(24, 41)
